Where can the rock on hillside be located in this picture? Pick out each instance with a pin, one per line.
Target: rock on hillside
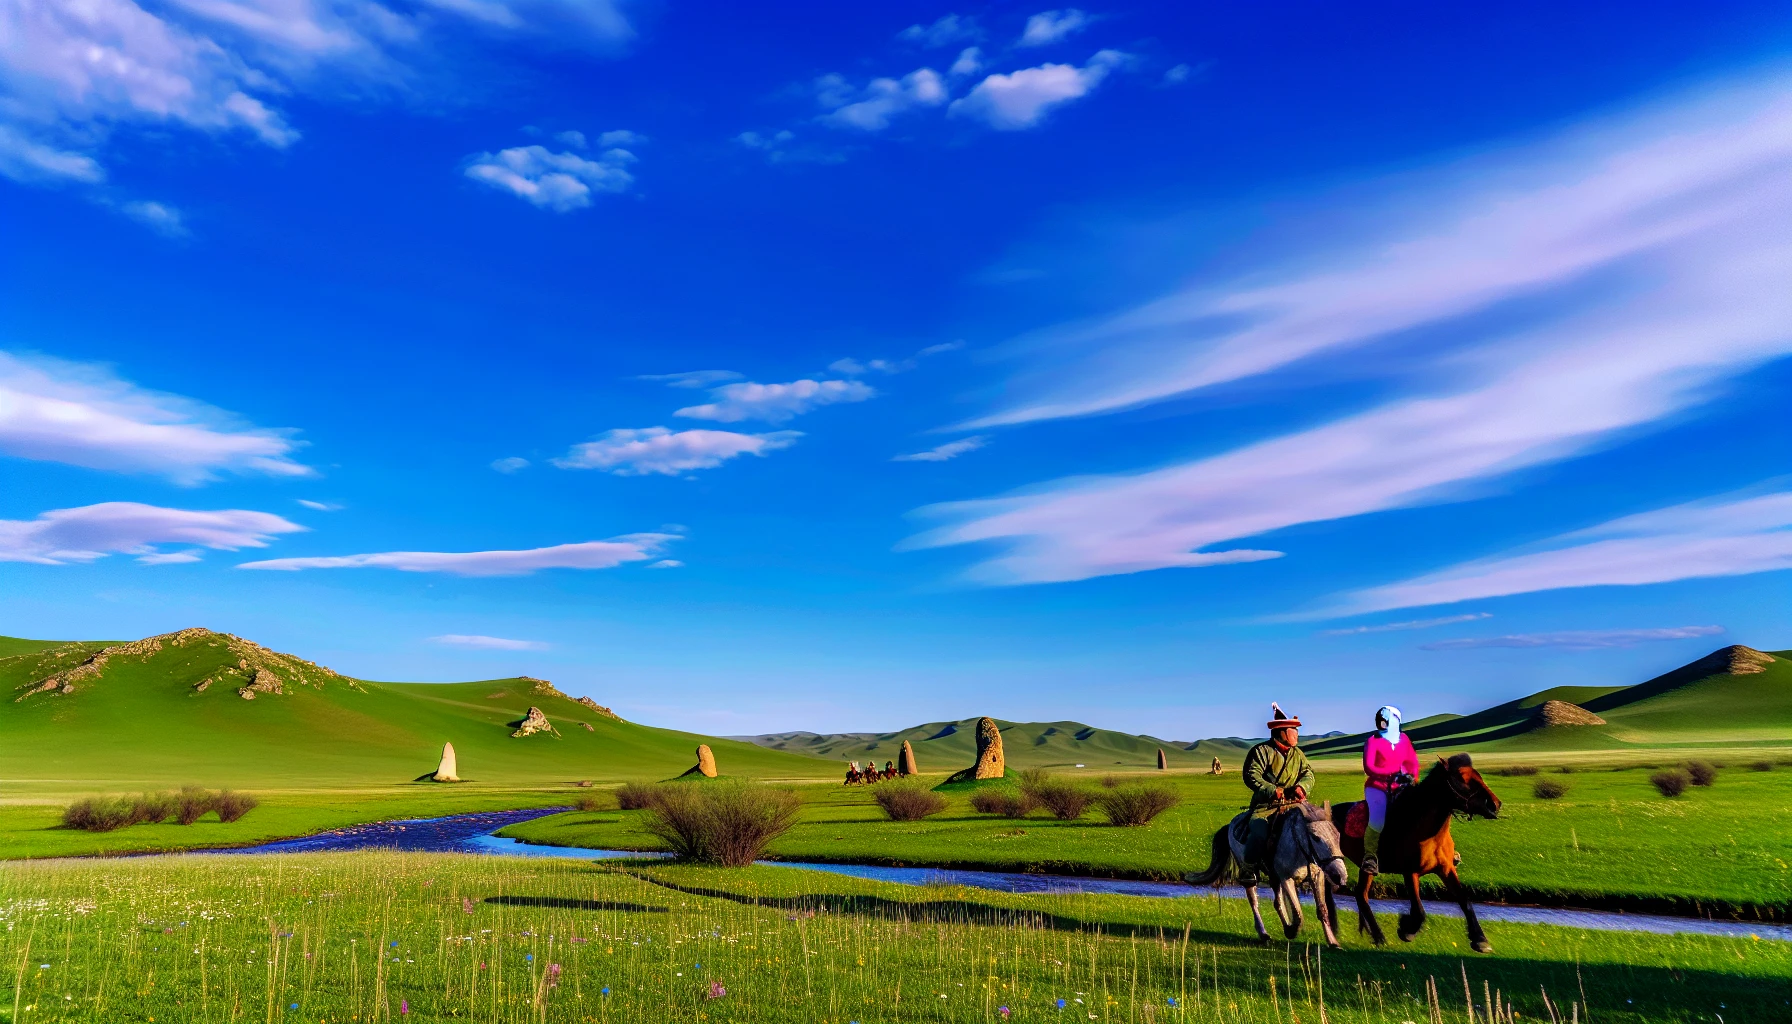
(532, 723)
(543, 688)
(1560, 712)
(250, 666)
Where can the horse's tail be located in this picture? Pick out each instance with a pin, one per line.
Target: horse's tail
(1221, 868)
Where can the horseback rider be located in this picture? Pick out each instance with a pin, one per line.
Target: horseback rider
(1278, 776)
(1390, 762)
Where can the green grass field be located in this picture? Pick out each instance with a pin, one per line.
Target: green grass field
(431, 937)
(1612, 841)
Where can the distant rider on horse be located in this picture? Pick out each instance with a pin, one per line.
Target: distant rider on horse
(1278, 776)
(1390, 763)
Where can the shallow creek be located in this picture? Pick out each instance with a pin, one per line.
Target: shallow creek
(472, 833)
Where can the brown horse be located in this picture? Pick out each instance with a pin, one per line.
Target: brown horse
(1416, 842)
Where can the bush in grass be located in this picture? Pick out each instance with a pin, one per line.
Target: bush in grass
(1111, 781)
(635, 796)
(190, 804)
(231, 806)
(1701, 773)
(1136, 805)
(909, 801)
(1761, 766)
(1065, 799)
(728, 823)
(1549, 789)
(151, 808)
(1672, 782)
(591, 802)
(1005, 802)
(97, 814)
(1566, 769)
(1514, 770)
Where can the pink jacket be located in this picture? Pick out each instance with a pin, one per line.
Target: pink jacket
(1381, 760)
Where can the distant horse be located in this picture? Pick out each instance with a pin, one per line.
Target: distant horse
(1305, 854)
(1417, 842)
(854, 777)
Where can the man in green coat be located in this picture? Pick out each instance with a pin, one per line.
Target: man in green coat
(1278, 775)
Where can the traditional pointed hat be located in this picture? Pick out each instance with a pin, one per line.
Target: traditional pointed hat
(1280, 719)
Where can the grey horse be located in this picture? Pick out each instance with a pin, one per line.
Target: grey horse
(1308, 855)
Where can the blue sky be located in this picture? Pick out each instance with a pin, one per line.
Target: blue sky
(826, 368)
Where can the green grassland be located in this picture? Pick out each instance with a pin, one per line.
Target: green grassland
(141, 722)
(378, 937)
(1612, 841)
(1025, 745)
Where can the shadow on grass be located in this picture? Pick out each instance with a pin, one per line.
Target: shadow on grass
(563, 903)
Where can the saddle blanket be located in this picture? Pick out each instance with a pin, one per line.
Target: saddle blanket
(1356, 820)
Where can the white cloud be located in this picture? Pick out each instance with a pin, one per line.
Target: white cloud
(667, 563)
(775, 403)
(659, 450)
(319, 506)
(947, 31)
(621, 137)
(595, 554)
(510, 464)
(91, 532)
(1396, 627)
(1048, 27)
(693, 378)
(156, 216)
(853, 368)
(1577, 640)
(945, 452)
(1178, 74)
(969, 62)
(55, 411)
(488, 643)
(561, 182)
(1021, 100)
(23, 160)
(871, 108)
(1686, 219)
(575, 139)
(1726, 537)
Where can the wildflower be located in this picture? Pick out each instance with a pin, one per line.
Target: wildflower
(1060, 1004)
(716, 991)
(1003, 1010)
(605, 992)
(1172, 1000)
(293, 1006)
(553, 975)
(404, 1006)
(529, 956)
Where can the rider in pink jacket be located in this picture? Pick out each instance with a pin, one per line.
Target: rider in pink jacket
(1389, 761)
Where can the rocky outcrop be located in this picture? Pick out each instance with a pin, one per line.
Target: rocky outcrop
(448, 770)
(262, 681)
(599, 708)
(202, 685)
(706, 762)
(1560, 712)
(905, 761)
(1163, 760)
(543, 688)
(532, 723)
(242, 658)
(991, 763)
(589, 727)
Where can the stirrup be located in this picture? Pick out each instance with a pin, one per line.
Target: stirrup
(1372, 865)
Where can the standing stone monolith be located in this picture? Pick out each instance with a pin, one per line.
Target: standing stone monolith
(706, 761)
(1163, 760)
(447, 770)
(905, 762)
(990, 762)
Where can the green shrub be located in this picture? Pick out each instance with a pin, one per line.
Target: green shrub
(635, 796)
(190, 804)
(1515, 770)
(231, 806)
(909, 801)
(591, 802)
(1549, 789)
(1672, 782)
(1006, 802)
(151, 808)
(1761, 766)
(1132, 806)
(728, 823)
(1702, 773)
(97, 814)
(1065, 799)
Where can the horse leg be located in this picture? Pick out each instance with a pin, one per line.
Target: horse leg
(1326, 910)
(1413, 920)
(1477, 939)
(1250, 893)
(1365, 915)
(1288, 907)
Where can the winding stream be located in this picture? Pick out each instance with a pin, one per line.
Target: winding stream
(472, 833)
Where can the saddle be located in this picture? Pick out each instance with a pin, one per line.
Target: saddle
(1356, 820)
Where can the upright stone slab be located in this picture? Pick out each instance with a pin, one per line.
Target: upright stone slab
(1163, 761)
(706, 761)
(905, 762)
(991, 764)
(447, 771)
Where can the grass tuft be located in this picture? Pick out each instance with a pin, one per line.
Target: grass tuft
(1549, 789)
(1670, 783)
(1761, 766)
(1517, 770)
(1005, 802)
(1132, 806)
(1702, 773)
(635, 796)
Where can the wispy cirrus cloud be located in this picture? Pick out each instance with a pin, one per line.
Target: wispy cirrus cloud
(1651, 254)
(477, 642)
(594, 554)
(1397, 627)
(91, 532)
(948, 30)
(651, 450)
(945, 452)
(1576, 640)
(1733, 536)
(561, 182)
(775, 403)
(693, 378)
(83, 415)
(1021, 99)
(1049, 27)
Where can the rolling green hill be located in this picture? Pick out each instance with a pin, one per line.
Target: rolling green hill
(952, 745)
(1733, 696)
(172, 710)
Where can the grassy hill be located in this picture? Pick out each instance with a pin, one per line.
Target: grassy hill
(941, 746)
(1733, 696)
(170, 710)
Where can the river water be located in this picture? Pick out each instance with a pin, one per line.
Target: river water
(472, 833)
